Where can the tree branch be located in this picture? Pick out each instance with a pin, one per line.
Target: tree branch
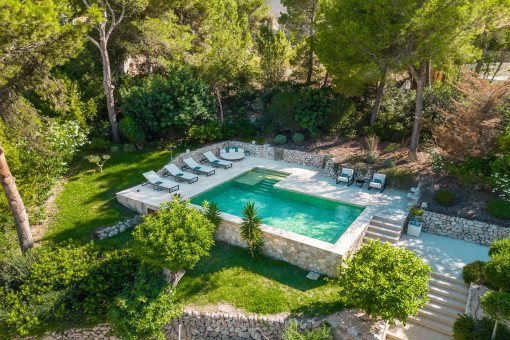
(115, 23)
(86, 4)
(93, 41)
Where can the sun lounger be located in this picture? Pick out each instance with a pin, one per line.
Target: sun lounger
(159, 183)
(178, 175)
(215, 162)
(378, 182)
(196, 168)
(347, 176)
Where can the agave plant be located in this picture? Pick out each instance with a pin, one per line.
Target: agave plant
(250, 229)
(132, 132)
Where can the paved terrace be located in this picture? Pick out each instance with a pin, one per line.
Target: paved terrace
(304, 179)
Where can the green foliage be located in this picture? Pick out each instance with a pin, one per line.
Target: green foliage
(497, 270)
(392, 147)
(416, 210)
(282, 108)
(500, 246)
(372, 157)
(315, 106)
(400, 178)
(445, 198)
(384, 281)
(499, 208)
(496, 304)
(114, 149)
(128, 148)
(389, 163)
(298, 138)
(143, 307)
(274, 51)
(213, 214)
(173, 103)
(99, 144)
(500, 174)
(130, 129)
(280, 139)
(474, 272)
(207, 132)
(177, 237)
(292, 332)
(251, 233)
(468, 328)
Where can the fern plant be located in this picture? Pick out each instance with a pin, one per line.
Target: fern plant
(250, 229)
(132, 132)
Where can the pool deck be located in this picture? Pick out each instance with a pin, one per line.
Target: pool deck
(303, 179)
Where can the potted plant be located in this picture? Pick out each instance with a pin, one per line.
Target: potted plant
(414, 226)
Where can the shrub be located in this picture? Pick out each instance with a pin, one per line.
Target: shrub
(372, 157)
(251, 233)
(400, 178)
(131, 130)
(212, 213)
(98, 160)
(389, 163)
(282, 108)
(500, 171)
(298, 138)
(128, 148)
(292, 332)
(499, 208)
(445, 198)
(416, 210)
(280, 139)
(383, 281)
(474, 272)
(206, 132)
(466, 327)
(175, 239)
(115, 149)
(99, 144)
(143, 308)
(392, 147)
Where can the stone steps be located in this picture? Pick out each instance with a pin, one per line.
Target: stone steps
(383, 229)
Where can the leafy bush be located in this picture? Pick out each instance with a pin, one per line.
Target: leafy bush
(280, 139)
(466, 327)
(292, 332)
(473, 170)
(385, 281)
(415, 210)
(174, 103)
(131, 130)
(177, 237)
(238, 127)
(499, 208)
(496, 304)
(282, 108)
(400, 178)
(99, 144)
(251, 233)
(98, 160)
(392, 147)
(389, 163)
(445, 198)
(372, 157)
(143, 308)
(207, 132)
(500, 170)
(115, 149)
(128, 148)
(298, 138)
(474, 272)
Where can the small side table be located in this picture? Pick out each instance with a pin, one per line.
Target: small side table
(360, 182)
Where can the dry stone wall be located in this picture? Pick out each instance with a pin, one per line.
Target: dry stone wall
(104, 232)
(200, 325)
(262, 151)
(462, 229)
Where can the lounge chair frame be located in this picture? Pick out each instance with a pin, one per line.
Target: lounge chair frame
(156, 186)
(383, 184)
(198, 171)
(216, 164)
(349, 181)
(179, 179)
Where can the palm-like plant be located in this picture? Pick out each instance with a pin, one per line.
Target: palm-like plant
(250, 229)
(212, 213)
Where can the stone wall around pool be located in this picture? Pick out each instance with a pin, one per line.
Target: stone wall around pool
(462, 229)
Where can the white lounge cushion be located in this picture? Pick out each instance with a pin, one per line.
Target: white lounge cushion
(197, 167)
(174, 171)
(154, 179)
(212, 158)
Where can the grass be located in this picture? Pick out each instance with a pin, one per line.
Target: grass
(229, 275)
(88, 200)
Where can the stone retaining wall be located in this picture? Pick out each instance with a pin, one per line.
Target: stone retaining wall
(195, 325)
(262, 151)
(462, 229)
(279, 247)
(104, 232)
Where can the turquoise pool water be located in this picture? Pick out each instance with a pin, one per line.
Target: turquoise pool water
(318, 218)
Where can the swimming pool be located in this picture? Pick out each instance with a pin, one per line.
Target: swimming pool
(311, 216)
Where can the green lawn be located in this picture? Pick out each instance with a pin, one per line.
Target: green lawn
(228, 275)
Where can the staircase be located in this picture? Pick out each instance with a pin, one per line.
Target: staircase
(448, 298)
(384, 229)
(265, 187)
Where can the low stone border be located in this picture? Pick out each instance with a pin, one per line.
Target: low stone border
(104, 232)
(462, 229)
(199, 324)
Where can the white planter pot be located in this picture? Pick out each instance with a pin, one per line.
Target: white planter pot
(414, 229)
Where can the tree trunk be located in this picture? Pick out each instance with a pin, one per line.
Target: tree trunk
(108, 88)
(173, 278)
(498, 68)
(325, 80)
(149, 64)
(378, 97)
(479, 64)
(18, 210)
(428, 80)
(420, 80)
(218, 96)
(310, 48)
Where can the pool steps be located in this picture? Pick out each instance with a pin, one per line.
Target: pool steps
(384, 229)
(448, 298)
